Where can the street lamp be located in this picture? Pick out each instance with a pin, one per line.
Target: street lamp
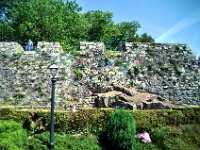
(53, 68)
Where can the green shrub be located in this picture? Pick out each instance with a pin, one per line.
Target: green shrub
(94, 120)
(12, 135)
(12, 114)
(78, 74)
(88, 120)
(9, 126)
(119, 63)
(110, 53)
(150, 119)
(192, 115)
(183, 137)
(75, 53)
(141, 146)
(191, 134)
(63, 142)
(121, 130)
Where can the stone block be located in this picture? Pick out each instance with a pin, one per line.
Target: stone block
(49, 47)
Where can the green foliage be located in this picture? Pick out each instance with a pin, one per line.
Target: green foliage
(82, 66)
(165, 67)
(50, 20)
(9, 126)
(136, 68)
(88, 120)
(94, 120)
(128, 30)
(120, 33)
(121, 130)
(98, 22)
(183, 137)
(145, 38)
(12, 135)
(118, 62)
(75, 53)
(11, 114)
(154, 118)
(63, 142)
(109, 53)
(179, 70)
(141, 146)
(78, 74)
(44, 20)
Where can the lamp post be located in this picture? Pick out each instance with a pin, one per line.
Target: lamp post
(53, 69)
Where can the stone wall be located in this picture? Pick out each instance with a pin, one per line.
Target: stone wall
(92, 48)
(169, 71)
(25, 77)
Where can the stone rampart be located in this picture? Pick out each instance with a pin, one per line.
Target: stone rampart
(25, 75)
(169, 71)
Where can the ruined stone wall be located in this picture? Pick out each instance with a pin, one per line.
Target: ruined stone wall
(25, 75)
(92, 48)
(168, 70)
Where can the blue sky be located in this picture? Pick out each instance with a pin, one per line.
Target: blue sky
(167, 21)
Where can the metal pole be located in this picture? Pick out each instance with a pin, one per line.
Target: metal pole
(53, 81)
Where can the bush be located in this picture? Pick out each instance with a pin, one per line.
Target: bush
(75, 53)
(12, 135)
(89, 120)
(121, 130)
(183, 137)
(141, 146)
(78, 74)
(110, 53)
(94, 120)
(63, 142)
(150, 119)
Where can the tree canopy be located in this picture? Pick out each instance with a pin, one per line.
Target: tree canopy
(62, 21)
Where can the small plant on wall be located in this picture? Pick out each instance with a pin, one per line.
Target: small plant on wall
(78, 74)
(136, 68)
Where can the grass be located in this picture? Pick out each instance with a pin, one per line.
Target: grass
(180, 137)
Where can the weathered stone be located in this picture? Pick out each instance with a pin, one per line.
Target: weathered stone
(128, 91)
(49, 47)
(28, 72)
(154, 105)
(114, 102)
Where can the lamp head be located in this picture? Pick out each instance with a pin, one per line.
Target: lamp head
(53, 68)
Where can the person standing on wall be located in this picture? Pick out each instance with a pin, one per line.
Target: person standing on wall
(29, 45)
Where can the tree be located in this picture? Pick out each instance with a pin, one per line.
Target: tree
(121, 130)
(99, 22)
(61, 21)
(47, 20)
(5, 5)
(146, 38)
(123, 32)
(128, 30)
(111, 34)
(6, 31)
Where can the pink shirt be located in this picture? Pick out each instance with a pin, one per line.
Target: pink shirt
(145, 137)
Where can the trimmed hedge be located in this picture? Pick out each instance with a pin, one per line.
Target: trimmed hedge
(183, 137)
(94, 120)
